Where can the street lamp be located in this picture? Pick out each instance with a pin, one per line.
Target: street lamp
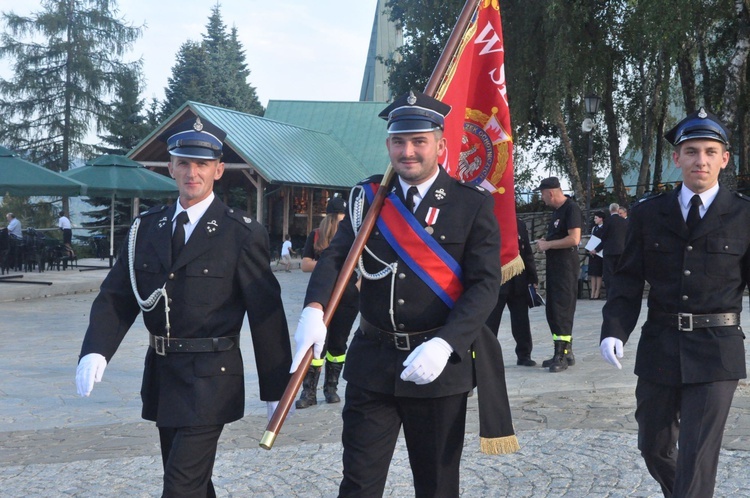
(591, 102)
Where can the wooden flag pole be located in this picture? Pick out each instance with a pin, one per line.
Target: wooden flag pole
(282, 410)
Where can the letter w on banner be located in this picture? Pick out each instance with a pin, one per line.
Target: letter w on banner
(480, 145)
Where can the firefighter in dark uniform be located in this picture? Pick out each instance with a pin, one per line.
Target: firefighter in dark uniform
(561, 248)
(515, 293)
(692, 246)
(409, 363)
(195, 288)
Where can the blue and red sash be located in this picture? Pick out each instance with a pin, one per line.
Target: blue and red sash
(403, 232)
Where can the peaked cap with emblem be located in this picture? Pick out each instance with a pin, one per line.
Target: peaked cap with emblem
(700, 124)
(194, 137)
(415, 112)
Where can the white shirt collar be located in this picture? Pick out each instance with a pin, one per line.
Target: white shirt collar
(422, 188)
(707, 197)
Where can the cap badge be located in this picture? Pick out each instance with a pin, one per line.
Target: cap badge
(702, 113)
(198, 126)
(440, 194)
(411, 99)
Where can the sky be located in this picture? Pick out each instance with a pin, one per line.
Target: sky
(295, 49)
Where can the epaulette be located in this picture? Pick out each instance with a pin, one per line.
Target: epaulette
(154, 210)
(742, 196)
(241, 217)
(372, 179)
(476, 188)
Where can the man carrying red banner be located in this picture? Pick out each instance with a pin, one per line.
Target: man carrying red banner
(431, 276)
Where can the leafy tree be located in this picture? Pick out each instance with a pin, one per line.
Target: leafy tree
(66, 61)
(212, 71)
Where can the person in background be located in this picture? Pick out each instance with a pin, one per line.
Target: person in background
(515, 292)
(623, 212)
(596, 261)
(196, 269)
(286, 253)
(613, 243)
(342, 320)
(561, 248)
(692, 245)
(67, 229)
(14, 226)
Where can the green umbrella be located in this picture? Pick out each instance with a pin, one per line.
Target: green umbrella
(119, 176)
(24, 178)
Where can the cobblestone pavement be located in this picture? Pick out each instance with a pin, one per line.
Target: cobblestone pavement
(576, 428)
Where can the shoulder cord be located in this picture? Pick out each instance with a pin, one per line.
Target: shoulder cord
(356, 203)
(149, 303)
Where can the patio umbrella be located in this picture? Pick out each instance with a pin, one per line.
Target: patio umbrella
(118, 176)
(21, 177)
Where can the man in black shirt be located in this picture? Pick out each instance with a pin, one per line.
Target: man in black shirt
(561, 247)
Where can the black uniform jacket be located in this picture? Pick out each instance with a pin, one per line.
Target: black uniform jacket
(613, 235)
(467, 229)
(705, 272)
(222, 273)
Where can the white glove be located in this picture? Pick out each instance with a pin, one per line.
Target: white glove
(427, 361)
(90, 369)
(311, 332)
(611, 349)
(271, 408)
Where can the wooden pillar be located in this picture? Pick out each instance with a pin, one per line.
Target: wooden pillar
(310, 210)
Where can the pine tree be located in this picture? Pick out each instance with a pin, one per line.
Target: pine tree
(212, 71)
(66, 60)
(126, 124)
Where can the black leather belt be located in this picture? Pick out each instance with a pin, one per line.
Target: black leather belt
(164, 345)
(688, 321)
(405, 341)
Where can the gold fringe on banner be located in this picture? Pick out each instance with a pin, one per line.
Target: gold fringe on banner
(499, 445)
(512, 268)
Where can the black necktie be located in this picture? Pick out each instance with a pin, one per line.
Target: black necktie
(178, 237)
(694, 215)
(410, 198)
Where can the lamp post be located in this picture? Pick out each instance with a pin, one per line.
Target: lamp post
(591, 102)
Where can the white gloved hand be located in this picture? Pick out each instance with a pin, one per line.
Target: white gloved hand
(90, 369)
(611, 349)
(271, 408)
(427, 361)
(311, 332)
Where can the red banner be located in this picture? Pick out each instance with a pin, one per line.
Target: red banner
(480, 143)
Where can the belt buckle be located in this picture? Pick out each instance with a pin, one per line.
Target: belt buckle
(401, 341)
(160, 345)
(681, 324)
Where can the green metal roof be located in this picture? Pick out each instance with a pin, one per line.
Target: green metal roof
(354, 124)
(279, 152)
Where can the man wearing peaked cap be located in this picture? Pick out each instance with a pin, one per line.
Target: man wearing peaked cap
(692, 246)
(195, 268)
(431, 276)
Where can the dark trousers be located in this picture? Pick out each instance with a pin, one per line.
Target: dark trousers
(188, 455)
(691, 417)
(519, 321)
(608, 268)
(434, 432)
(562, 289)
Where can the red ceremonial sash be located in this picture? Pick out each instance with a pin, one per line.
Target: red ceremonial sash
(418, 249)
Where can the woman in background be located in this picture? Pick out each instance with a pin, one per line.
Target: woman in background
(596, 262)
(334, 352)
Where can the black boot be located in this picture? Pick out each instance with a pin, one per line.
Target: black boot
(307, 397)
(570, 357)
(332, 381)
(560, 360)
